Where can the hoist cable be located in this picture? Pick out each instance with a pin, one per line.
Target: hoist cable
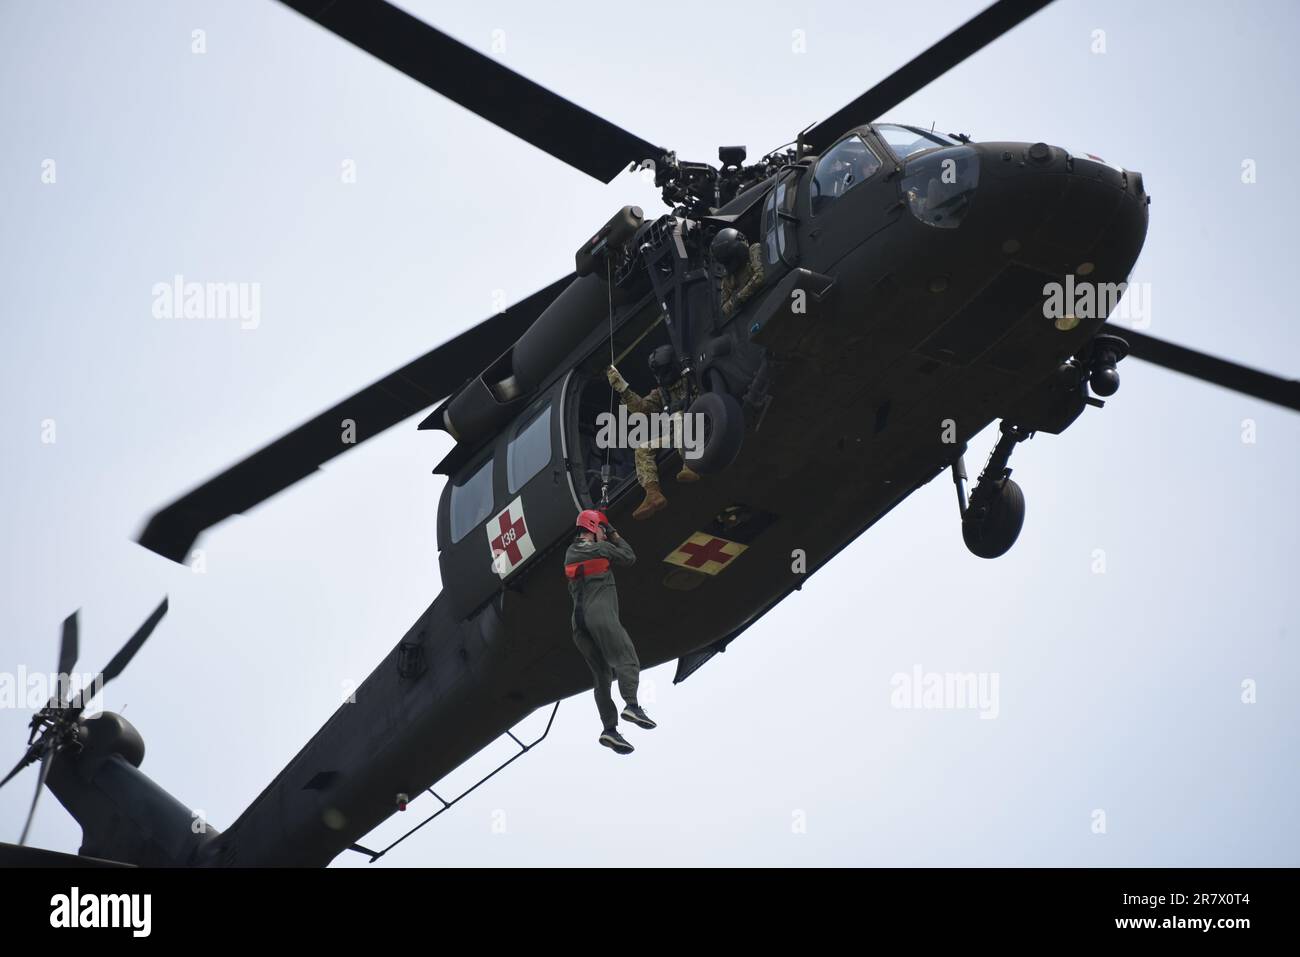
(604, 472)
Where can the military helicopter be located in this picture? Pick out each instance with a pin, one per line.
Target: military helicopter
(899, 312)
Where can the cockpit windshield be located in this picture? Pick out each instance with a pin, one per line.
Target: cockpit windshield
(905, 141)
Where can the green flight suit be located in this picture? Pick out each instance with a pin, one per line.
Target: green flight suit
(599, 635)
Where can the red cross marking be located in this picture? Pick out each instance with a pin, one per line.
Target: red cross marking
(701, 554)
(508, 540)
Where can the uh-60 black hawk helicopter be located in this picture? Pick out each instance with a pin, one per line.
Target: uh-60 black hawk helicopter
(903, 281)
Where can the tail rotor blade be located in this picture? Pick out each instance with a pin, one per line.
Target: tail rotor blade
(46, 760)
(123, 657)
(27, 759)
(68, 649)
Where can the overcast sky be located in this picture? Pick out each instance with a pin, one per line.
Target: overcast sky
(1155, 575)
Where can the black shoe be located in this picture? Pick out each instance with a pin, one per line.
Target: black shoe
(638, 717)
(610, 738)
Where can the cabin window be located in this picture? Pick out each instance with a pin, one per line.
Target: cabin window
(471, 501)
(847, 163)
(530, 450)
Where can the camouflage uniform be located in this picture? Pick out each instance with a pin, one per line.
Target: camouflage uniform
(647, 473)
(597, 631)
(737, 287)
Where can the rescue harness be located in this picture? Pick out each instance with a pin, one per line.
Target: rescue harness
(590, 566)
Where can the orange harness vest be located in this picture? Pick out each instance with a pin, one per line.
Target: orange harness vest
(592, 566)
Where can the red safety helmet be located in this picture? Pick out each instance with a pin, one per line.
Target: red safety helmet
(591, 520)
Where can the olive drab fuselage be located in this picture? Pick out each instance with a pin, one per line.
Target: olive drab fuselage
(873, 327)
(847, 312)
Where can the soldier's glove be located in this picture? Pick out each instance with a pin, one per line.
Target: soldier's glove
(616, 380)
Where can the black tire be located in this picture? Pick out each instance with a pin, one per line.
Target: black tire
(723, 421)
(994, 534)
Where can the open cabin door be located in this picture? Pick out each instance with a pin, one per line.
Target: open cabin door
(589, 399)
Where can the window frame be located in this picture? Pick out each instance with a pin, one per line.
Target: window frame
(484, 467)
(546, 410)
(937, 140)
(779, 222)
(861, 137)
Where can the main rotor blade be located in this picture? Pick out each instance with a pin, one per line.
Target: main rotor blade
(28, 757)
(67, 654)
(1221, 372)
(482, 85)
(46, 760)
(966, 40)
(292, 457)
(127, 652)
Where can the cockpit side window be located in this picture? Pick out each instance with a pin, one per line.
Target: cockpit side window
(778, 210)
(845, 165)
(471, 501)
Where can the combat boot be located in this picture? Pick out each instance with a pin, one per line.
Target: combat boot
(636, 716)
(654, 501)
(616, 742)
(687, 474)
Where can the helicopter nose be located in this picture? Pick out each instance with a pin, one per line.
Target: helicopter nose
(1060, 212)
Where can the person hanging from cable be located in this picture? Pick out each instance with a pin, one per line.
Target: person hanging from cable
(600, 636)
(672, 394)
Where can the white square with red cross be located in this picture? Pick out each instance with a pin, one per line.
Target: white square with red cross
(508, 539)
(705, 553)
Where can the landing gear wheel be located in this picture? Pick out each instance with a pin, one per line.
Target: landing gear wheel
(723, 421)
(991, 530)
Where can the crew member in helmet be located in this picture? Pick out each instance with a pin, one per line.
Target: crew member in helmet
(742, 266)
(597, 632)
(671, 394)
